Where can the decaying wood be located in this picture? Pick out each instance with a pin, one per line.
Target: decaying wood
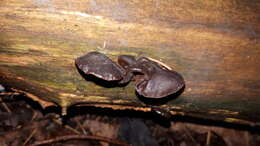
(213, 44)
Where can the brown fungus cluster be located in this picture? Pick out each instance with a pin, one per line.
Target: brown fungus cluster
(152, 79)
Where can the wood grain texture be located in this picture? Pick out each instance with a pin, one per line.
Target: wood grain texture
(213, 44)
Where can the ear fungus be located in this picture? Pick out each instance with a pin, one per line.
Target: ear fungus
(152, 79)
(126, 61)
(156, 82)
(99, 65)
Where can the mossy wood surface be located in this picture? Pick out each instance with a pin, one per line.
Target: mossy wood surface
(213, 44)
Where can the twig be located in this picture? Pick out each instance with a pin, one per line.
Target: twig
(9, 93)
(187, 131)
(66, 126)
(88, 137)
(5, 106)
(104, 46)
(35, 114)
(81, 127)
(208, 138)
(30, 136)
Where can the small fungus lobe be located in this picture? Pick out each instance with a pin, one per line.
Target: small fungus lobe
(156, 82)
(99, 65)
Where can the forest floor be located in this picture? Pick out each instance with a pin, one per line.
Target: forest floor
(23, 122)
